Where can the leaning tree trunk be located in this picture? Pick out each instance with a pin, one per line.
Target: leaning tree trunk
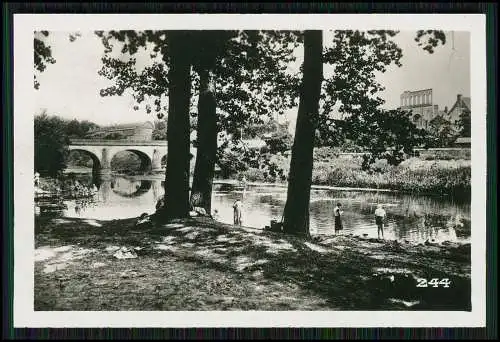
(201, 192)
(176, 201)
(296, 214)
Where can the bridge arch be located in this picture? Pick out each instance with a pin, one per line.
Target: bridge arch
(96, 161)
(145, 159)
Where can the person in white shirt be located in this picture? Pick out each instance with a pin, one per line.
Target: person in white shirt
(380, 216)
(237, 209)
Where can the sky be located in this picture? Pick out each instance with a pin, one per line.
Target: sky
(70, 87)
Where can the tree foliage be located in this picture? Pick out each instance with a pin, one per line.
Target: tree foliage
(464, 123)
(350, 97)
(351, 107)
(160, 130)
(430, 39)
(52, 137)
(250, 78)
(389, 135)
(43, 54)
(51, 145)
(441, 133)
(79, 129)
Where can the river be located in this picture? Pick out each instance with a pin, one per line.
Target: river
(409, 217)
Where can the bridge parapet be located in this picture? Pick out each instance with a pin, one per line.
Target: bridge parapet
(103, 142)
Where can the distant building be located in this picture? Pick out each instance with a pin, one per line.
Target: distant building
(461, 104)
(420, 104)
(462, 142)
(133, 132)
(254, 144)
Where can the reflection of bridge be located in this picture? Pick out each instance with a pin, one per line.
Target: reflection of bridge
(102, 152)
(140, 187)
(115, 190)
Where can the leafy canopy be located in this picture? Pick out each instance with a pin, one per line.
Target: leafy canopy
(43, 54)
(252, 81)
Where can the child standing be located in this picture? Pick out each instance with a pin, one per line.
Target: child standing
(338, 221)
(237, 209)
(379, 219)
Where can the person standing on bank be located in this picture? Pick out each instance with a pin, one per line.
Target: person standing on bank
(380, 216)
(237, 209)
(338, 221)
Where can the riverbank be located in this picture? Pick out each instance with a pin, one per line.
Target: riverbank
(414, 175)
(199, 264)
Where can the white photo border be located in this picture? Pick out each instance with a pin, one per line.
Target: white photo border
(24, 314)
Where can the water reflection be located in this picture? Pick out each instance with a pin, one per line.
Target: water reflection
(117, 197)
(127, 188)
(412, 218)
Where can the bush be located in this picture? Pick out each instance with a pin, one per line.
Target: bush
(253, 175)
(414, 175)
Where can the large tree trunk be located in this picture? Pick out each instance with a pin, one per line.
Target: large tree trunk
(201, 192)
(296, 214)
(176, 201)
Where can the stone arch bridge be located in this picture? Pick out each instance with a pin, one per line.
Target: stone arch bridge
(102, 152)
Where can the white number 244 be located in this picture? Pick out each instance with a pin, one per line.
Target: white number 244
(434, 282)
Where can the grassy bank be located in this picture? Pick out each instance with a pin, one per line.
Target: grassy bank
(204, 265)
(414, 175)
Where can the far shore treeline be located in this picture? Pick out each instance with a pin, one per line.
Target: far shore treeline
(221, 83)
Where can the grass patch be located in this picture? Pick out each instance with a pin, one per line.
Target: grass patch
(203, 265)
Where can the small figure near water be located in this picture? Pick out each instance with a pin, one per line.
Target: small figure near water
(243, 183)
(380, 216)
(215, 215)
(237, 210)
(338, 221)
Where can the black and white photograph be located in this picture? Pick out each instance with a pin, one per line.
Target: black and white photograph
(307, 170)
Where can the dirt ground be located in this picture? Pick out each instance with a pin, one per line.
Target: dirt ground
(199, 264)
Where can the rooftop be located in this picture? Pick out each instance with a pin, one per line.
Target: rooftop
(416, 91)
(124, 126)
(463, 140)
(466, 101)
